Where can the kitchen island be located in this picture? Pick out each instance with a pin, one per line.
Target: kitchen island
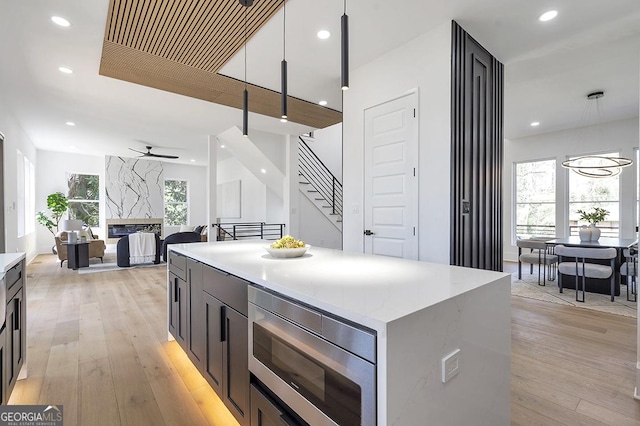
(419, 312)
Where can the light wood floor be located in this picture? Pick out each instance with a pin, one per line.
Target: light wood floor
(97, 344)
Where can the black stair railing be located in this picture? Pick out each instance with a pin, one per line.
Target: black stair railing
(243, 230)
(318, 176)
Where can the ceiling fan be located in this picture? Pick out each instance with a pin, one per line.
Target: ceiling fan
(151, 154)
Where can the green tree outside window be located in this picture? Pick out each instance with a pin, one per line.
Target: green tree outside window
(84, 198)
(175, 202)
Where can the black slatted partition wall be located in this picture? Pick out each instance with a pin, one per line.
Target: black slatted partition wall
(476, 154)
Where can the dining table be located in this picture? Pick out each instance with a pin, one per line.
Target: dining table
(596, 285)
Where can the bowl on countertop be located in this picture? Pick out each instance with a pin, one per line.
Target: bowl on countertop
(287, 252)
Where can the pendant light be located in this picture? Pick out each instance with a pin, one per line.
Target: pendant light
(345, 48)
(283, 68)
(596, 166)
(245, 93)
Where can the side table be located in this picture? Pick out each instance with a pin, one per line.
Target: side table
(77, 255)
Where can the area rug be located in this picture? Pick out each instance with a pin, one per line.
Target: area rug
(113, 266)
(528, 287)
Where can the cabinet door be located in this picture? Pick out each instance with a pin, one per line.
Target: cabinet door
(3, 359)
(236, 373)
(15, 340)
(195, 316)
(266, 412)
(214, 311)
(173, 305)
(181, 326)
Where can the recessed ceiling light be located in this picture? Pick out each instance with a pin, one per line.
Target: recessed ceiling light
(549, 15)
(60, 21)
(222, 146)
(70, 123)
(65, 70)
(535, 123)
(283, 120)
(193, 160)
(323, 34)
(323, 103)
(263, 170)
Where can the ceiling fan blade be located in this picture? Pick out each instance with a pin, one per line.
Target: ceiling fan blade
(162, 156)
(139, 152)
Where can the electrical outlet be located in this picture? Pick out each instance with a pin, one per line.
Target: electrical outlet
(450, 365)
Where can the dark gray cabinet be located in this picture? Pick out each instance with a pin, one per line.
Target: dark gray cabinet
(194, 308)
(263, 411)
(177, 295)
(207, 312)
(178, 309)
(214, 311)
(3, 356)
(226, 365)
(14, 341)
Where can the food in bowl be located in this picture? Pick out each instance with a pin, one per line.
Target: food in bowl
(287, 242)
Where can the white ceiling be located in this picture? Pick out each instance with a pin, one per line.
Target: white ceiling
(549, 67)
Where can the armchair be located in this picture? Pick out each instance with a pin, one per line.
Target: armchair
(96, 248)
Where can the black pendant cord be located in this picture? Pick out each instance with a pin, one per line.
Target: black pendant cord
(245, 93)
(345, 48)
(283, 68)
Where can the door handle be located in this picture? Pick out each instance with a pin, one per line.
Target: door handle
(223, 323)
(175, 289)
(368, 232)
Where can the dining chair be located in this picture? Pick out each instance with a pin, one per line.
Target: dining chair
(630, 270)
(580, 267)
(539, 254)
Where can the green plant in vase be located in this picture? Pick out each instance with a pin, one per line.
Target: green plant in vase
(58, 203)
(597, 215)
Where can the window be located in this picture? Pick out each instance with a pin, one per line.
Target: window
(586, 193)
(535, 198)
(84, 198)
(26, 195)
(175, 202)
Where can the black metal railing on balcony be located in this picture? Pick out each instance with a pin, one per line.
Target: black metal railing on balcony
(607, 229)
(319, 178)
(528, 231)
(247, 230)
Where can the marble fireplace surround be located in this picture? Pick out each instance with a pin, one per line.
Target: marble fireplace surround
(117, 228)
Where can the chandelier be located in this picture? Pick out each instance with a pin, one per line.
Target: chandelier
(596, 166)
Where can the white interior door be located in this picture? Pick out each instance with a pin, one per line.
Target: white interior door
(391, 178)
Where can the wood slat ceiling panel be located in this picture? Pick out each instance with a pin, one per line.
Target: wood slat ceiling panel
(132, 65)
(199, 33)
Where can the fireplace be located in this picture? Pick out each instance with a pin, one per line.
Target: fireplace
(118, 228)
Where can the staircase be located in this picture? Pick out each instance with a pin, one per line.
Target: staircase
(319, 185)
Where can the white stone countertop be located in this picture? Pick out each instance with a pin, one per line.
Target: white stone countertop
(9, 260)
(369, 290)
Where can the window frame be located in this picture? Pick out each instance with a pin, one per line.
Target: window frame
(186, 202)
(514, 195)
(79, 200)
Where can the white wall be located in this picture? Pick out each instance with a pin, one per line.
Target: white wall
(423, 63)
(621, 136)
(272, 146)
(327, 144)
(253, 198)
(51, 176)
(316, 229)
(15, 139)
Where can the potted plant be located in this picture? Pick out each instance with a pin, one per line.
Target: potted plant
(58, 203)
(597, 215)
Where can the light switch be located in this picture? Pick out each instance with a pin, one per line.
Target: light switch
(450, 366)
